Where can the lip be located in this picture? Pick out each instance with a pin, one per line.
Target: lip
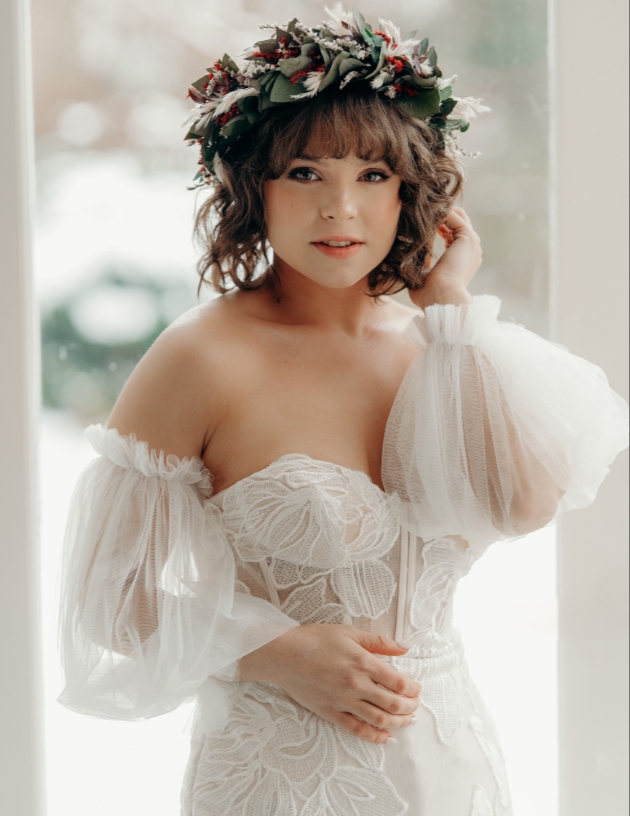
(338, 252)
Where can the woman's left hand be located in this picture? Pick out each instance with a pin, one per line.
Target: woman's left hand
(448, 281)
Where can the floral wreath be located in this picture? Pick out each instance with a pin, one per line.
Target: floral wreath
(298, 62)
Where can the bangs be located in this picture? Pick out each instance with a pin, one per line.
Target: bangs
(334, 126)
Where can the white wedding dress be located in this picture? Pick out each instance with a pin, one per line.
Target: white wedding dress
(166, 585)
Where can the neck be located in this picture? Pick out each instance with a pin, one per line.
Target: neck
(294, 298)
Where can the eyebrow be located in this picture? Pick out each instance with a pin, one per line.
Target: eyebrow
(307, 157)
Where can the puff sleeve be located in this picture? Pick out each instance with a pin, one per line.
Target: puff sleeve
(149, 607)
(496, 431)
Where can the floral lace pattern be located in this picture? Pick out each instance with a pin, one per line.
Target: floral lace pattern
(275, 757)
(481, 803)
(313, 522)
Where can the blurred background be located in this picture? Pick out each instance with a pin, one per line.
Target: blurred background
(115, 265)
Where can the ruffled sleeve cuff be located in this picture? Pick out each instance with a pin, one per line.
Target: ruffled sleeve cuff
(132, 454)
(459, 325)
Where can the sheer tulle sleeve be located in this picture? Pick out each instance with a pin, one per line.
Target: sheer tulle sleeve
(149, 610)
(496, 431)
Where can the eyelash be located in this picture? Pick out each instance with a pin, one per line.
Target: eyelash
(296, 170)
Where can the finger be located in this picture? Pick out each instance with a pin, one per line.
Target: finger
(386, 700)
(456, 222)
(378, 644)
(462, 212)
(358, 728)
(380, 719)
(395, 681)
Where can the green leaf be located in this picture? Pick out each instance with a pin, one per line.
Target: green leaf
(424, 47)
(325, 56)
(200, 83)
(432, 57)
(359, 19)
(248, 104)
(283, 90)
(378, 41)
(293, 65)
(298, 88)
(309, 48)
(465, 127)
(208, 152)
(333, 72)
(424, 82)
(235, 127)
(267, 46)
(446, 93)
(448, 106)
(291, 28)
(264, 103)
(268, 79)
(423, 106)
(228, 62)
(412, 34)
(350, 64)
(379, 64)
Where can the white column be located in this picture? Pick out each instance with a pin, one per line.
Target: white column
(590, 145)
(21, 744)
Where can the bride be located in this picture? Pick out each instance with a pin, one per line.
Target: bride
(299, 471)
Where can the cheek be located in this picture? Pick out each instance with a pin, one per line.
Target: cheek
(283, 210)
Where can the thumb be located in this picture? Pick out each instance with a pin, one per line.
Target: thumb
(379, 644)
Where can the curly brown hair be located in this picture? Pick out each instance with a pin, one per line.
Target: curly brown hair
(230, 224)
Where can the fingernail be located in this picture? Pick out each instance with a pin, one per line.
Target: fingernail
(414, 719)
(391, 741)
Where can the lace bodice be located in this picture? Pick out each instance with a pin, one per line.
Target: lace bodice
(494, 432)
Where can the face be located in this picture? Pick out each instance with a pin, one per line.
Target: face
(332, 220)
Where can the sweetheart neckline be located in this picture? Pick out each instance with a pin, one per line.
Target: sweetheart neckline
(287, 456)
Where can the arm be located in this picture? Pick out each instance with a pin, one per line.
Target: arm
(495, 430)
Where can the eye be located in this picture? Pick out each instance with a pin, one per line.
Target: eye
(303, 174)
(374, 176)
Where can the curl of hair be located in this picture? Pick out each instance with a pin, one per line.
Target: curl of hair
(230, 224)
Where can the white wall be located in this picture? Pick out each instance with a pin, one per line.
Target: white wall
(21, 792)
(591, 317)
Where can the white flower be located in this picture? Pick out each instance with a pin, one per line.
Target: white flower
(348, 78)
(201, 114)
(444, 82)
(311, 83)
(390, 29)
(378, 80)
(391, 92)
(337, 16)
(467, 109)
(231, 98)
(396, 48)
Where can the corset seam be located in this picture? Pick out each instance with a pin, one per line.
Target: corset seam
(271, 587)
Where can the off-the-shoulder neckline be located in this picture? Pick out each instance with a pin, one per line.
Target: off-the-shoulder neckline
(293, 456)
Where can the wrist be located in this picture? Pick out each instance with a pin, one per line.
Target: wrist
(264, 664)
(431, 296)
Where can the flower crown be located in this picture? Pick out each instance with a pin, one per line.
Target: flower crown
(298, 62)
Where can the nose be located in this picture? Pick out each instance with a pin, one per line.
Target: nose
(338, 204)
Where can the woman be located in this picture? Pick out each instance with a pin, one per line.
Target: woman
(298, 472)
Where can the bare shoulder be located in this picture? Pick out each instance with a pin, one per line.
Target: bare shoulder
(176, 395)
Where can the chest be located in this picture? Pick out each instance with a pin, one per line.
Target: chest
(328, 399)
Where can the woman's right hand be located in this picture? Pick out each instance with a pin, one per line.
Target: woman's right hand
(334, 672)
